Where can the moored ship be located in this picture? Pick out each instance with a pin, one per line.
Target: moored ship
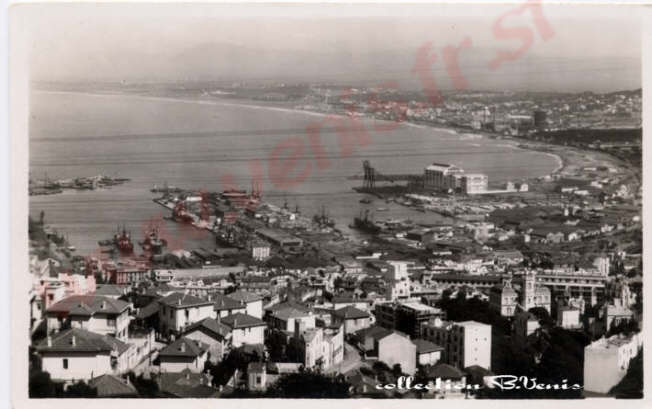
(122, 241)
(363, 223)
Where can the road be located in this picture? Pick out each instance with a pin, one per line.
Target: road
(351, 360)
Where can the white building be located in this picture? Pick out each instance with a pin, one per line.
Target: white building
(98, 314)
(465, 343)
(184, 353)
(568, 317)
(253, 302)
(319, 347)
(81, 355)
(606, 361)
(398, 280)
(178, 311)
(213, 333)
(396, 348)
(473, 183)
(439, 176)
(427, 352)
(245, 329)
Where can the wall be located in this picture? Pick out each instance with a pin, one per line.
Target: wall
(178, 364)
(395, 349)
(255, 309)
(251, 335)
(80, 366)
(216, 348)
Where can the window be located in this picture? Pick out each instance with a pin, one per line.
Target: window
(258, 380)
(110, 322)
(65, 363)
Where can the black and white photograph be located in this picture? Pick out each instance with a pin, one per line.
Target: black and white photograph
(327, 201)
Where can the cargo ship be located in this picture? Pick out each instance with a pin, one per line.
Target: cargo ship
(122, 241)
(364, 224)
(153, 243)
(322, 219)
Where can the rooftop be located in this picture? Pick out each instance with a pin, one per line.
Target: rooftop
(181, 300)
(112, 386)
(184, 347)
(240, 320)
(350, 312)
(80, 340)
(245, 296)
(89, 305)
(424, 346)
(210, 325)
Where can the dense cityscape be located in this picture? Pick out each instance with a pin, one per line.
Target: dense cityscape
(538, 278)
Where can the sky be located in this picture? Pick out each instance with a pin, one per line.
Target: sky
(584, 48)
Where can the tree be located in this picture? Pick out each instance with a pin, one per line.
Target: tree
(147, 388)
(397, 370)
(543, 316)
(276, 344)
(41, 386)
(631, 386)
(80, 390)
(309, 384)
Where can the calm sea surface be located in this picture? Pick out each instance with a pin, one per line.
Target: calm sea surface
(200, 144)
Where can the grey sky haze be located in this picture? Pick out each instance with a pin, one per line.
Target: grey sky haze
(592, 47)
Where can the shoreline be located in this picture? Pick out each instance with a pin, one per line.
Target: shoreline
(514, 142)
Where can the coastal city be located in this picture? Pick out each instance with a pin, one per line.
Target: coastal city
(536, 278)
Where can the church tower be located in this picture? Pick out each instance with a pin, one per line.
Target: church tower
(529, 281)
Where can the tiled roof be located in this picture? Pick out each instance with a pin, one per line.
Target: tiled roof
(223, 302)
(89, 305)
(350, 312)
(84, 341)
(424, 346)
(288, 304)
(215, 328)
(375, 332)
(180, 300)
(109, 290)
(256, 367)
(245, 296)
(240, 320)
(186, 384)
(184, 347)
(148, 310)
(112, 386)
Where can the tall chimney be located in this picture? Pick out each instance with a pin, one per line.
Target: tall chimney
(182, 348)
(49, 341)
(73, 341)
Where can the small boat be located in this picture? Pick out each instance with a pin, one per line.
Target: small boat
(366, 200)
